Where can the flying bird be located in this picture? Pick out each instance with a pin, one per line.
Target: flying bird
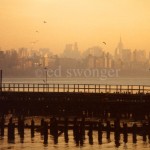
(44, 22)
(104, 43)
(37, 31)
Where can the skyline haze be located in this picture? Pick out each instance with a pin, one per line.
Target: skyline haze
(86, 22)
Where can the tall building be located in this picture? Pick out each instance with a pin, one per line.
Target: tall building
(23, 53)
(71, 51)
(119, 49)
(94, 51)
(123, 54)
(139, 55)
(2, 58)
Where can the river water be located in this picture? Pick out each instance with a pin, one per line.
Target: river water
(111, 81)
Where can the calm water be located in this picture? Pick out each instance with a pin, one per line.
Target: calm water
(111, 81)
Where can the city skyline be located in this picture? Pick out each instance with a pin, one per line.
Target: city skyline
(73, 50)
(72, 63)
(53, 23)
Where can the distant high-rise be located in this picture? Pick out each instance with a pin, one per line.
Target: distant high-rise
(23, 52)
(139, 55)
(119, 49)
(94, 51)
(71, 51)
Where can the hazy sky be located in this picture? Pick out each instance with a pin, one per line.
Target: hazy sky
(87, 22)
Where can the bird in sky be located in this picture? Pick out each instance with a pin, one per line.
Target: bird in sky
(104, 43)
(36, 31)
(44, 22)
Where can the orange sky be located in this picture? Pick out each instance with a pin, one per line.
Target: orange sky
(88, 22)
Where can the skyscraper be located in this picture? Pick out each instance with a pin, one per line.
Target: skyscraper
(119, 49)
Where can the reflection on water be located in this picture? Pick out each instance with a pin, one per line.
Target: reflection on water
(28, 143)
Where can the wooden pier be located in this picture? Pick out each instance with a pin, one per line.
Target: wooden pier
(81, 129)
(76, 88)
(75, 99)
(107, 103)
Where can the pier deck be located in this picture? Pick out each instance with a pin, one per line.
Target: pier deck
(75, 99)
(76, 88)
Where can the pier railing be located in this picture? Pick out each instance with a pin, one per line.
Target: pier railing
(84, 88)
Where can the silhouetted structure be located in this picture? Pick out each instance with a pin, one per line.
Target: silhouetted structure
(32, 128)
(11, 131)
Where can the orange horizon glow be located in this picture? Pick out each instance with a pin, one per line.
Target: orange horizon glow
(87, 22)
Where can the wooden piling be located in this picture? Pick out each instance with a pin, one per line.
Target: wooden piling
(144, 134)
(90, 133)
(76, 131)
(2, 123)
(134, 132)
(21, 126)
(66, 130)
(32, 128)
(42, 126)
(125, 133)
(117, 132)
(148, 130)
(100, 132)
(45, 132)
(11, 130)
(108, 129)
(54, 129)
